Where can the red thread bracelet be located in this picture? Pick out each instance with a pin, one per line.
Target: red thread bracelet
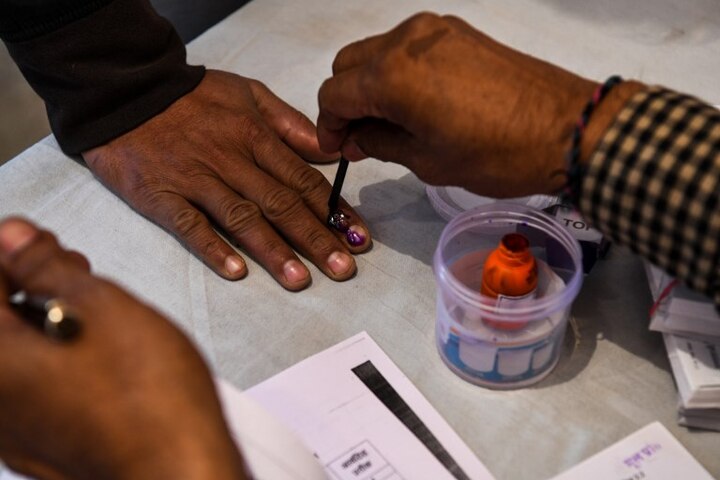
(576, 171)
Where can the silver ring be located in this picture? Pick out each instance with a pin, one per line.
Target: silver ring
(59, 322)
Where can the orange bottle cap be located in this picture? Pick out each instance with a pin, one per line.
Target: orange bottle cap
(510, 271)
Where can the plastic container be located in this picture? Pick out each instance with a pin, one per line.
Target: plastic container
(449, 202)
(469, 345)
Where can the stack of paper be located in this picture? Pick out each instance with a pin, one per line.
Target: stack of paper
(691, 330)
(684, 311)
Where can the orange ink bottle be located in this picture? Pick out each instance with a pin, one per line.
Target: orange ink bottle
(510, 275)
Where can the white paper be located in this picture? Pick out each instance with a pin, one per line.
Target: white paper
(270, 450)
(696, 368)
(350, 430)
(651, 453)
(684, 312)
(705, 418)
(8, 475)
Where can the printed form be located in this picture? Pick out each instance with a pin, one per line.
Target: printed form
(363, 419)
(651, 453)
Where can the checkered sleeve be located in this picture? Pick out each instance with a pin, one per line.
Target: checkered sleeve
(653, 183)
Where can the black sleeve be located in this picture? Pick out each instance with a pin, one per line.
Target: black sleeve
(102, 67)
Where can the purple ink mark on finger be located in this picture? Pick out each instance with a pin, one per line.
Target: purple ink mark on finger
(341, 222)
(355, 238)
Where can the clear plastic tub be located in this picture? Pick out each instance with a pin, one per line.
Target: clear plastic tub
(469, 345)
(450, 202)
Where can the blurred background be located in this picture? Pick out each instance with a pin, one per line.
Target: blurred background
(23, 120)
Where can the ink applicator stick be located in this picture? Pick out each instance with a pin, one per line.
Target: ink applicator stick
(337, 187)
(339, 220)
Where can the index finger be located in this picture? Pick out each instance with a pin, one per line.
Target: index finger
(342, 98)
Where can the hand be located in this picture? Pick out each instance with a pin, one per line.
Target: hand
(128, 398)
(226, 155)
(454, 106)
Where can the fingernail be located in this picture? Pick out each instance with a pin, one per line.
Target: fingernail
(356, 235)
(234, 265)
(295, 272)
(339, 262)
(15, 234)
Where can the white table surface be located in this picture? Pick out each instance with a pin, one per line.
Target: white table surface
(616, 379)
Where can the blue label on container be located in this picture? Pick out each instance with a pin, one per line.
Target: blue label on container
(510, 364)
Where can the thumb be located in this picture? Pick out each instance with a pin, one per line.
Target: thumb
(14, 235)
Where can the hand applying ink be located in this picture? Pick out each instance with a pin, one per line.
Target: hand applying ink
(457, 108)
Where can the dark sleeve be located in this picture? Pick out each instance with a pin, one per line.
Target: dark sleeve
(102, 67)
(654, 184)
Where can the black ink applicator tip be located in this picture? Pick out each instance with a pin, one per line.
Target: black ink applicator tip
(336, 188)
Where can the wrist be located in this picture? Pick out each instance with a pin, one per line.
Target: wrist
(602, 108)
(604, 115)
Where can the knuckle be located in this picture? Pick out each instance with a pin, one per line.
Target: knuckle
(423, 20)
(143, 189)
(251, 129)
(201, 179)
(49, 240)
(306, 179)
(256, 86)
(318, 240)
(293, 118)
(280, 203)
(240, 216)
(340, 60)
(451, 18)
(211, 247)
(76, 259)
(275, 249)
(187, 222)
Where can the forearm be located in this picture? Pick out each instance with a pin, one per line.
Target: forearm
(106, 68)
(653, 183)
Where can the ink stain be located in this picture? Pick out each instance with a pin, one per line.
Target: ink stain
(355, 238)
(341, 222)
